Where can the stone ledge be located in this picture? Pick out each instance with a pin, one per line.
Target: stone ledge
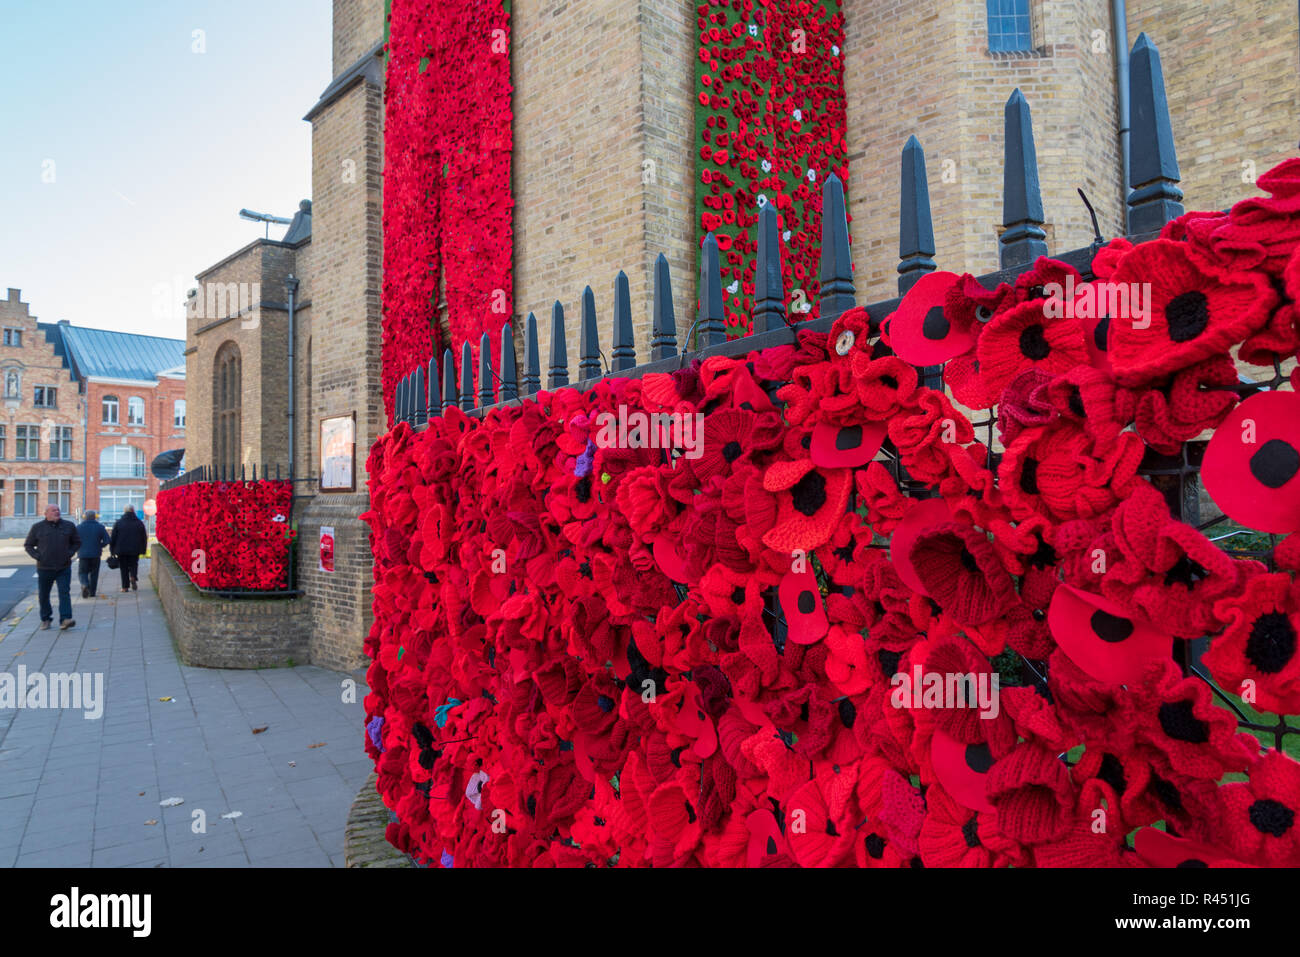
(212, 632)
(364, 843)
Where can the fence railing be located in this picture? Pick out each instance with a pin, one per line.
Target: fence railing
(1153, 200)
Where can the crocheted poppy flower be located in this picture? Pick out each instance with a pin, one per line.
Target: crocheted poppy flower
(1256, 654)
(1177, 722)
(921, 331)
(960, 569)
(809, 503)
(1258, 818)
(1194, 313)
(1030, 790)
(1025, 337)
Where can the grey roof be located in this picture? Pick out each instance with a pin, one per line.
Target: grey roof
(300, 226)
(106, 354)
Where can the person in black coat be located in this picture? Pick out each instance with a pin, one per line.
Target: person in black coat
(94, 537)
(52, 542)
(130, 540)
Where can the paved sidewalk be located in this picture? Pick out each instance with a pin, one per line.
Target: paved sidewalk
(79, 793)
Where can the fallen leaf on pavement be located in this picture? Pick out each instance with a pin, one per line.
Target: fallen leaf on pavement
(168, 698)
(318, 744)
(150, 822)
(261, 729)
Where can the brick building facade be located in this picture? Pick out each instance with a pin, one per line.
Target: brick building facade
(42, 445)
(602, 86)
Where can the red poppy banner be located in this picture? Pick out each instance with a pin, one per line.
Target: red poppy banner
(770, 127)
(672, 621)
(229, 535)
(448, 210)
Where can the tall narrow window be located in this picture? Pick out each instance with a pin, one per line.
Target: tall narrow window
(135, 410)
(1009, 29)
(61, 494)
(226, 394)
(109, 407)
(178, 414)
(61, 443)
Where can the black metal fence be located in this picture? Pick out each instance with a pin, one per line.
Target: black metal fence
(1155, 198)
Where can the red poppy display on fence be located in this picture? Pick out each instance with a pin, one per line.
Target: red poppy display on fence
(743, 653)
(229, 535)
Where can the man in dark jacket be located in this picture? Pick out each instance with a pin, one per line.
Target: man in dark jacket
(130, 540)
(52, 543)
(94, 537)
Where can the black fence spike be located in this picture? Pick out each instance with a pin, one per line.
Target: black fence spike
(837, 294)
(710, 321)
(486, 392)
(663, 333)
(466, 376)
(559, 374)
(1023, 239)
(589, 339)
(255, 472)
(448, 380)
(1153, 163)
(435, 406)
(509, 390)
(399, 402)
(421, 398)
(623, 355)
(769, 286)
(532, 357)
(915, 224)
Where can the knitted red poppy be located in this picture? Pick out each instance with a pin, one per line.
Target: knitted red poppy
(1257, 819)
(960, 569)
(1031, 792)
(1256, 655)
(921, 331)
(1025, 337)
(1194, 314)
(809, 503)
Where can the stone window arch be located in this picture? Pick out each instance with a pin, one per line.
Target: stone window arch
(226, 406)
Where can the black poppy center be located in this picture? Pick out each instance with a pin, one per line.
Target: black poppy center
(968, 560)
(1187, 315)
(848, 712)
(849, 437)
(1029, 477)
(1271, 817)
(1110, 628)
(1179, 723)
(888, 661)
(605, 703)
(875, 845)
(890, 381)
(1185, 571)
(1272, 642)
(979, 758)
(1075, 402)
(970, 831)
(731, 451)
(806, 603)
(1044, 556)
(809, 494)
(1101, 335)
(1033, 343)
(935, 326)
(1275, 464)
(582, 490)
(1112, 772)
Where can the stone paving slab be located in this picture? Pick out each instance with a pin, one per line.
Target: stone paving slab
(79, 792)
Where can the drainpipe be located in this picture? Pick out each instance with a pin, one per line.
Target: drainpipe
(1119, 30)
(291, 287)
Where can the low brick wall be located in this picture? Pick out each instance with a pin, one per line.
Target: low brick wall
(215, 632)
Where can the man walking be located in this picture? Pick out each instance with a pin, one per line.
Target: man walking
(52, 543)
(130, 540)
(94, 537)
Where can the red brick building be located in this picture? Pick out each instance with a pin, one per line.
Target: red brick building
(134, 392)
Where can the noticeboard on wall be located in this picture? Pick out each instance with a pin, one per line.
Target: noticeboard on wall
(338, 453)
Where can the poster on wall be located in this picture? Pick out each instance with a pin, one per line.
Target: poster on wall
(327, 548)
(338, 444)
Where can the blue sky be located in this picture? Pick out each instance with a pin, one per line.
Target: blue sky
(152, 147)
